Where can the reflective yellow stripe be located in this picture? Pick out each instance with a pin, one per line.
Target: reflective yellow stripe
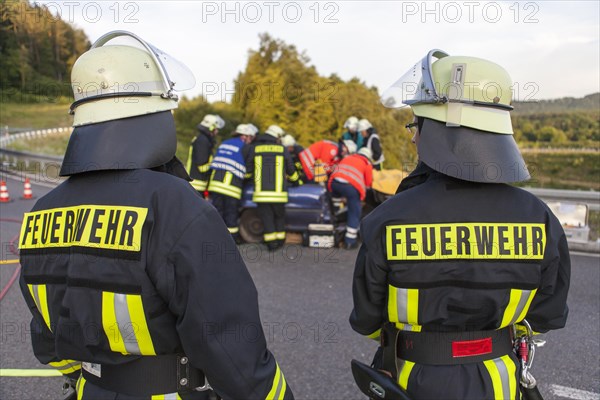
(188, 165)
(267, 148)
(280, 235)
(405, 374)
(169, 396)
(233, 229)
(140, 327)
(39, 295)
(294, 177)
(66, 366)
(375, 335)
(226, 189)
(279, 173)
(517, 307)
(199, 185)
(79, 387)
(278, 388)
(270, 236)
(270, 197)
(502, 372)
(110, 324)
(403, 308)
(257, 174)
(204, 167)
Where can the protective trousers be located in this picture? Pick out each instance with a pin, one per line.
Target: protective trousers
(88, 391)
(273, 217)
(354, 208)
(228, 207)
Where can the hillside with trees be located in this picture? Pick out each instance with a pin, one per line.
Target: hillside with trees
(38, 51)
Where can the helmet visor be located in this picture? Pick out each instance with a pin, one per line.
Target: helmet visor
(176, 75)
(415, 86)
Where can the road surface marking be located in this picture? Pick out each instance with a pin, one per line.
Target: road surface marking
(4, 262)
(575, 394)
(23, 373)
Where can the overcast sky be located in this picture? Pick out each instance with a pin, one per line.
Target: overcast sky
(550, 48)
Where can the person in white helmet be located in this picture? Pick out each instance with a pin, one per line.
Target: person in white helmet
(129, 291)
(457, 262)
(352, 133)
(201, 150)
(271, 167)
(228, 171)
(372, 141)
(294, 149)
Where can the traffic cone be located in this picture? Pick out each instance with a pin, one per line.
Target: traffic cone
(27, 192)
(4, 196)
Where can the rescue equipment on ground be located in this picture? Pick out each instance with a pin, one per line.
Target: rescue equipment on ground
(321, 236)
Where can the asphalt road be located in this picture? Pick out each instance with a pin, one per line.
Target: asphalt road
(305, 299)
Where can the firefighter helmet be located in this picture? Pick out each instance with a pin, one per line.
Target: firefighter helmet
(275, 131)
(245, 129)
(124, 93)
(365, 151)
(288, 140)
(364, 125)
(127, 78)
(350, 145)
(464, 104)
(212, 122)
(351, 124)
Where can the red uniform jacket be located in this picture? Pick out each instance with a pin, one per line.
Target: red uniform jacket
(357, 170)
(325, 150)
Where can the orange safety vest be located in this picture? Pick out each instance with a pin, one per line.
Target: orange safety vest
(357, 170)
(326, 151)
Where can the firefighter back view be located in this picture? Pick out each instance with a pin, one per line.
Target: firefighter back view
(130, 285)
(201, 149)
(271, 166)
(459, 256)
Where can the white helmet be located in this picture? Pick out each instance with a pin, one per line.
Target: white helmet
(364, 124)
(211, 122)
(115, 81)
(288, 140)
(275, 131)
(351, 123)
(245, 129)
(253, 128)
(365, 151)
(351, 146)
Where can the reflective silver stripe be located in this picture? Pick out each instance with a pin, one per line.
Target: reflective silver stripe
(220, 161)
(354, 173)
(230, 147)
(308, 157)
(125, 325)
(503, 376)
(402, 304)
(171, 396)
(521, 306)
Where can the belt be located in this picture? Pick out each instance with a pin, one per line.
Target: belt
(448, 348)
(146, 375)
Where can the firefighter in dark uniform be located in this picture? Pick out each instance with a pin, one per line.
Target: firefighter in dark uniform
(201, 149)
(271, 167)
(129, 275)
(227, 177)
(458, 256)
(294, 149)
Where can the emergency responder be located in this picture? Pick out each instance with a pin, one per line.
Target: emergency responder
(294, 149)
(351, 126)
(326, 153)
(201, 149)
(130, 275)
(227, 177)
(372, 141)
(448, 265)
(271, 166)
(351, 178)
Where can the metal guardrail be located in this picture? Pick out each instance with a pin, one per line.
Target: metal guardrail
(591, 198)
